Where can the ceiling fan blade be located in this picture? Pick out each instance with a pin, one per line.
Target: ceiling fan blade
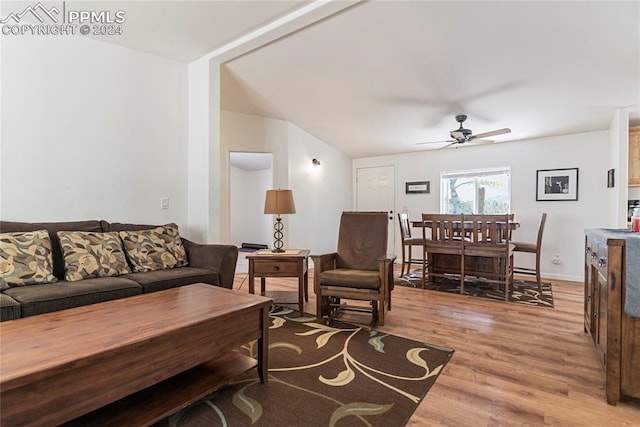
(448, 145)
(481, 141)
(434, 142)
(492, 133)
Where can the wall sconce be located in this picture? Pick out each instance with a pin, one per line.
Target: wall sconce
(315, 162)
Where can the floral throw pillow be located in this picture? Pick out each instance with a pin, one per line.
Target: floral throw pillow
(89, 254)
(157, 249)
(25, 259)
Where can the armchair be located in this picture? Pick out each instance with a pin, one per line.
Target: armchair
(359, 269)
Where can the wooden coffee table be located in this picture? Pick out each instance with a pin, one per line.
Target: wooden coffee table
(151, 354)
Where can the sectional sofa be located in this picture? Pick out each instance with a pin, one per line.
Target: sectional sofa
(122, 267)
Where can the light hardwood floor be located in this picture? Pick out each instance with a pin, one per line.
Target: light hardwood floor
(513, 365)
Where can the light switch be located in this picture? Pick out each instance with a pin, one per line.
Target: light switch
(164, 203)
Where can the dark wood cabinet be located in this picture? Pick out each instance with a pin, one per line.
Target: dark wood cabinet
(615, 334)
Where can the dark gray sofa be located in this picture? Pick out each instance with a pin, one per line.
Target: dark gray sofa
(208, 263)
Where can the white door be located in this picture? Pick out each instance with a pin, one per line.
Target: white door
(375, 191)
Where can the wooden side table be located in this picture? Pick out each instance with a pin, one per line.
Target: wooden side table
(291, 263)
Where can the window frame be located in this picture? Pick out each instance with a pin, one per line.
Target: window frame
(475, 174)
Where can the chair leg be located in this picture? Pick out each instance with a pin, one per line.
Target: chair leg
(380, 311)
(508, 277)
(409, 261)
(424, 268)
(404, 261)
(538, 279)
(461, 274)
(506, 288)
(322, 303)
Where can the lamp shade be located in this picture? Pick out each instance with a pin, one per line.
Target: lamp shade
(279, 202)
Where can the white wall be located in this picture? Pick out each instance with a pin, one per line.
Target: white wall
(248, 133)
(320, 195)
(204, 158)
(618, 160)
(247, 193)
(91, 131)
(566, 220)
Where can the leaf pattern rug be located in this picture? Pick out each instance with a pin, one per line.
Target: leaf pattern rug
(524, 291)
(320, 375)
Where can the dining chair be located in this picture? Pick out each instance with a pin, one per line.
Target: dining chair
(360, 269)
(442, 238)
(490, 239)
(533, 248)
(408, 242)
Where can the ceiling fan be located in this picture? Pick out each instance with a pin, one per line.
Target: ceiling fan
(461, 135)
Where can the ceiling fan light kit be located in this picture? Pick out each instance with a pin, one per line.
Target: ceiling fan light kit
(462, 135)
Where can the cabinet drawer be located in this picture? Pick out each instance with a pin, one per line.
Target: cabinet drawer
(275, 267)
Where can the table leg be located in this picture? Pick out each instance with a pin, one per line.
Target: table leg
(251, 278)
(301, 294)
(306, 280)
(263, 348)
(262, 285)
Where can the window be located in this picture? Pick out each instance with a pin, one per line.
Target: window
(486, 191)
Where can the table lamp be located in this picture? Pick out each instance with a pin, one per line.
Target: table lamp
(279, 202)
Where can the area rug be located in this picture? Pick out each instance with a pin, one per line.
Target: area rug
(524, 291)
(319, 375)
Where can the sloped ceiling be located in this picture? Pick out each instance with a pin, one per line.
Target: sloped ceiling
(383, 75)
(380, 76)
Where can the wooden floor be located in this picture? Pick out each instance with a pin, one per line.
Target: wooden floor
(513, 365)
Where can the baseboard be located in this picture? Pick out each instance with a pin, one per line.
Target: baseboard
(565, 277)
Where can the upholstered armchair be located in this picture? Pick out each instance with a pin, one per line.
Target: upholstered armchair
(360, 269)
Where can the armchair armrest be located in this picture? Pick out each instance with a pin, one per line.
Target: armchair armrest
(388, 258)
(324, 262)
(220, 258)
(385, 268)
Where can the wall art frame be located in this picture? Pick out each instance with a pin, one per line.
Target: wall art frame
(417, 187)
(557, 184)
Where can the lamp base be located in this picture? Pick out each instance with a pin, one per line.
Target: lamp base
(277, 235)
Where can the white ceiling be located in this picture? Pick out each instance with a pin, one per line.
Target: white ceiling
(380, 76)
(250, 161)
(383, 75)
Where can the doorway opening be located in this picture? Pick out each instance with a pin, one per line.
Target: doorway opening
(250, 176)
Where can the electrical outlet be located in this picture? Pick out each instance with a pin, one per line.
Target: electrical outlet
(556, 259)
(164, 203)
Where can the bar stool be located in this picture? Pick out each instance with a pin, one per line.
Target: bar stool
(407, 243)
(533, 248)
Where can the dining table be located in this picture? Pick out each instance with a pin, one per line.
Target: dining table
(474, 265)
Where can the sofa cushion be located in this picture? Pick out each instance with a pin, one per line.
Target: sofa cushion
(39, 299)
(9, 308)
(155, 249)
(88, 254)
(25, 258)
(52, 228)
(164, 279)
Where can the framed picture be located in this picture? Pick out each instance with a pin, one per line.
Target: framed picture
(611, 178)
(557, 184)
(417, 187)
